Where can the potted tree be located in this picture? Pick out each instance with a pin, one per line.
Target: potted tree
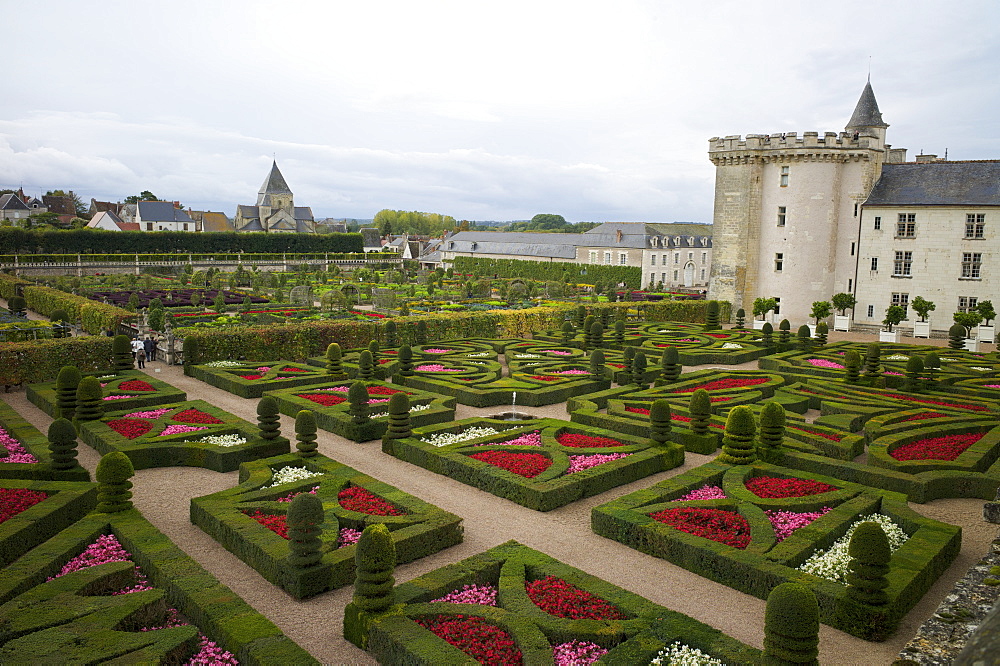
(842, 303)
(893, 315)
(986, 331)
(761, 306)
(922, 328)
(820, 310)
(969, 320)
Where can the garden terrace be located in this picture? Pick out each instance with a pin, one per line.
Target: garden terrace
(130, 389)
(539, 463)
(192, 433)
(351, 501)
(509, 594)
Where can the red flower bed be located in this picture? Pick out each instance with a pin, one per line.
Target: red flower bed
(727, 383)
(135, 385)
(908, 398)
(130, 428)
(275, 523)
(15, 500)
(826, 435)
(484, 642)
(585, 441)
(545, 378)
(717, 335)
(325, 399)
(617, 365)
(557, 597)
(925, 415)
(251, 377)
(382, 390)
(528, 465)
(726, 527)
(194, 416)
(673, 417)
(295, 370)
(948, 447)
(359, 499)
(771, 487)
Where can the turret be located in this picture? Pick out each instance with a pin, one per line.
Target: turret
(867, 119)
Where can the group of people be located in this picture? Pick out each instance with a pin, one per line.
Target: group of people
(143, 350)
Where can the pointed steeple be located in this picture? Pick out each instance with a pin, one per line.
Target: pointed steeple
(866, 113)
(274, 183)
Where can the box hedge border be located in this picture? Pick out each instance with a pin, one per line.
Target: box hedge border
(230, 379)
(37, 445)
(67, 502)
(43, 395)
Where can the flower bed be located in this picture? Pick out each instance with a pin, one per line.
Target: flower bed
(28, 455)
(251, 379)
(520, 606)
(33, 511)
(180, 434)
(947, 447)
(329, 402)
(351, 500)
(125, 390)
(783, 532)
(550, 475)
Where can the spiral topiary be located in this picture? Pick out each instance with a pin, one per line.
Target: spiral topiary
(597, 335)
(375, 562)
(121, 352)
(597, 364)
(932, 363)
(712, 316)
(305, 524)
(741, 318)
(784, 332)
(567, 333)
(581, 315)
(62, 444)
(659, 422)
(639, 370)
(399, 417)
(374, 349)
(822, 331)
(873, 364)
(700, 409)
(619, 333)
(870, 553)
(914, 374)
(956, 337)
(366, 365)
(670, 366)
(738, 440)
(804, 339)
(627, 356)
(420, 337)
(791, 626)
(66, 384)
(405, 358)
(767, 334)
(192, 351)
(113, 486)
(268, 418)
(357, 397)
(305, 433)
(334, 366)
(852, 366)
(89, 403)
(588, 324)
(772, 428)
(391, 334)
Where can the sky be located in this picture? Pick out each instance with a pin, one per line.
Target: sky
(595, 110)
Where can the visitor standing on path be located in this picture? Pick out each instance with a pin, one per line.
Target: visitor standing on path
(140, 357)
(136, 346)
(150, 346)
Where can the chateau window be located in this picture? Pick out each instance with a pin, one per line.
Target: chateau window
(850, 283)
(592, 256)
(903, 301)
(652, 241)
(663, 277)
(878, 223)
(690, 256)
(779, 261)
(975, 225)
(664, 259)
(607, 257)
(652, 260)
(777, 305)
(784, 176)
(971, 264)
(622, 258)
(781, 215)
(677, 257)
(871, 311)
(675, 276)
(704, 258)
(703, 275)
(874, 264)
(652, 278)
(906, 225)
(967, 303)
(852, 249)
(901, 265)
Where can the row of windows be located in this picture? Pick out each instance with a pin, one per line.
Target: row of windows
(906, 224)
(663, 276)
(965, 303)
(677, 258)
(902, 264)
(622, 257)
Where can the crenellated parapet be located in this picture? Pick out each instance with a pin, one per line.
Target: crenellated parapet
(790, 147)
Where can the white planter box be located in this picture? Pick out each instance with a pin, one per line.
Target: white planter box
(812, 330)
(887, 336)
(758, 324)
(987, 334)
(972, 345)
(841, 323)
(921, 329)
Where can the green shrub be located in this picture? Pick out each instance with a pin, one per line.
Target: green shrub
(305, 524)
(62, 444)
(89, 402)
(932, 363)
(822, 331)
(914, 374)
(333, 360)
(784, 332)
(772, 426)
(639, 370)
(391, 335)
(375, 562)
(268, 418)
(873, 364)
(670, 367)
(305, 433)
(113, 486)
(791, 626)
(767, 334)
(741, 318)
(659, 422)
(738, 440)
(852, 366)
(597, 335)
(17, 306)
(700, 409)
(121, 350)
(804, 341)
(399, 416)
(420, 336)
(712, 316)
(192, 355)
(66, 385)
(870, 552)
(567, 333)
(956, 337)
(405, 358)
(597, 361)
(357, 397)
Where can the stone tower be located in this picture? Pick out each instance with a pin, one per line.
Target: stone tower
(786, 211)
(274, 194)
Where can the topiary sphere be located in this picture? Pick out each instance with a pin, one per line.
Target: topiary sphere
(791, 625)
(89, 388)
(69, 377)
(772, 415)
(399, 403)
(358, 393)
(114, 467)
(267, 406)
(740, 421)
(333, 352)
(120, 344)
(701, 402)
(869, 543)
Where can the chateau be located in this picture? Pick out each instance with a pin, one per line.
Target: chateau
(800, 218)
(275, 210)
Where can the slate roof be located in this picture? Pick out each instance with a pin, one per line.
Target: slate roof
(555, 245)
(109, 215)
(938, 184)
(63, 205)
(161, 211)
(636, 234)
(274, 183)
(12, 202)
(866, 113)
(303, 213)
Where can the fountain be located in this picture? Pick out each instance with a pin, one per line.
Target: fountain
(513, 414)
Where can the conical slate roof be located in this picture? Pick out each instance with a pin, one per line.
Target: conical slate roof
(275, 182)
(866, 113)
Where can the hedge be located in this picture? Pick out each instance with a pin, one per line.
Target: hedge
(43, 395)
(550, 270)
(67, 502)
(35, 443)
(277, 376)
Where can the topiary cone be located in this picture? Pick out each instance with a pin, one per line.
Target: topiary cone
(852, 366)
(767, 334)
(659, 422)
(305, 525)
(268, 418)
(399, 417)
(89, 405)
(567, 333)
(597, 364)
(67, 383)
(113, 486)
(956, 337)
(804, 339)
(333, 360)
(357, 397)
(391, 337)
(121, 352)
(375, 562)
(597, 335)
(366, 366)
(870, 553)
(737, 442)
(791, 626)
(405, 358)
(305, 433)
(772, 428)
(700, 408)
(639, 369)
(914, 374)
(712, 316)
(670, 366)
(374, 349)
(62, 444)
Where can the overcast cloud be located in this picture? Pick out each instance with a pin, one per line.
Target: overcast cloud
(483, 111)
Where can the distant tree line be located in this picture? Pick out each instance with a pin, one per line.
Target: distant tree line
(551, 222)
(415, 223)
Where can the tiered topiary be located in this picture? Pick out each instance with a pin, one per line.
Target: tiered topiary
(114, 490)
(191, 350)
(597, 335)
(66, 384)
(956, 337)
(659, 422)
(581, 315)
(738, 440)
(333, 359)
(366, 365)
(791, 626)
(627, 356)
(567, 333)
(17, 306)
(772, 430)
(357, 396)
(597, 363)
(399, 417)
(712, 316)
(914, 374)
(822, 331)
(873, 364)
(305, 433)
(784, 333)
(852, 366)
(804, 339)
(741, 318)
(420, 337)
(405, 358)
(932, 363)
(374, 349)
(391, 335)
(61, 318)
(870, 552)
(121, 352)
(305, 524)
(620, 333)
(700, 409)
(767, 334)
(375, 562)
(268, 418)
(89, 403)
(62, 444)
(588, 324)
(639, 369)
(670, 365)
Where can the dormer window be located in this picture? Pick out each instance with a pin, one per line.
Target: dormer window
(451, 245)
(652, 241)
(704, 241)
(677, 241)
(691, 241)
(473, 247)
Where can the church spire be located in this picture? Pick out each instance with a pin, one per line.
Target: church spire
(866, 113)
(274, 183)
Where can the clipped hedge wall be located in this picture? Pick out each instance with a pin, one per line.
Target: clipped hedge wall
(67, 502)
(550, 270)
(234, 380)
(41, 360)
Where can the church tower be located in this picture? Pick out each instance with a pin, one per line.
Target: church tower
(275, 193)
(786, 211)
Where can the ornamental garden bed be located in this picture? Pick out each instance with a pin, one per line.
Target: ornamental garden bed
(712, 521)
(174, 297)
(111, 587)
(249, 379)
(130, 389)
(192, 433)
(512, 604)
(25, 451)
(332, 408)
(33, 511)
(540, 463)
(249, 520)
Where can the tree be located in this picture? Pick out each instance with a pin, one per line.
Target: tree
(985, 308)
(820, 310)
(62, 444)
(738, 440)
(893, 315)
(305, 433)
(922, 307)
(659, 422)
(145, 195)
(268, 418)
(305, 525)
(843, 302)
(761, 306)
(968, 320)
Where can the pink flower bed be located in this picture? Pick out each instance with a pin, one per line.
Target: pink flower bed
(580, 463)
(706, 492)
(434, 367)
(174, 429)
(571, 372)
(16, 453)
(528, 439)
(484, 595)
(438, 351)
(823, 363)
(117, 397)
(557, 352)
(149, 414)
(786, 522)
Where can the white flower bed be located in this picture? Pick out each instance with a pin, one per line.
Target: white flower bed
(897, 357)
(223, 364)
(446, 438)
(679, 654)
(107, 378)
(479, 355)
(980, 368)
(290, 474)
(220, 440)
(732, 345)
(832, 564)
(526, 356)
(415, 408)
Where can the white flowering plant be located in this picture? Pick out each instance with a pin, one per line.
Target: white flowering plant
(678, 654)
(446, 438)
(290, 475)
(832, 564)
